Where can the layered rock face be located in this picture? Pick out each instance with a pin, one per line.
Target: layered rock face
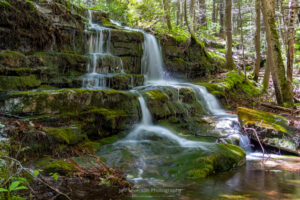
(189, 59)
(47, 45)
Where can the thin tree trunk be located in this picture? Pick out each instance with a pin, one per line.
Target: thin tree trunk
(202, 6)
(229, 59)
(214, 12)
(291, 41)
(167, 13)
(242, 40)
(267, 74)
(178, 13)
(257, 40)
(282, 90)
(187, 20)
(222, 21)
(192, 14)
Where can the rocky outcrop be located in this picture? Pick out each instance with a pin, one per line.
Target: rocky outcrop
(189, 59)
(99, 112)
(272, 130)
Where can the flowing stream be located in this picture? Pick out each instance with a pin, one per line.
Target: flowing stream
(149, 154)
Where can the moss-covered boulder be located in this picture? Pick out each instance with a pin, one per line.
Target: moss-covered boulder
(166, 102)
(225, 157)
(272, 129)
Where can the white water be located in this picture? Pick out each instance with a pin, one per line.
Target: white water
(152, 61)
(146, 127)
(145, 134)
(97, 77)
(152, 69)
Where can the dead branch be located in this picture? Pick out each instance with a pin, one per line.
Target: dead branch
(41, 180)
(280, 108)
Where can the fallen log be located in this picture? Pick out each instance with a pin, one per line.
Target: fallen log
(280, 108)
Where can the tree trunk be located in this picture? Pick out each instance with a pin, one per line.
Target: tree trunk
(167, 13)
(282, 90)
(178, 14)
(267, 74)
(214, 12)
(257, 40)
(202, 6)
(222, 24)
(229, 59)
(192, 14)
(187, 20)
(291, 41)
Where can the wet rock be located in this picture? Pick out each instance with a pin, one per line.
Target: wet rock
(189, 59)
(272, 129)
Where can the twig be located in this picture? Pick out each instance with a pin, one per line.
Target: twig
(37, 178)
(258, 139)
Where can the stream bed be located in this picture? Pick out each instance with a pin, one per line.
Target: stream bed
(279, 178)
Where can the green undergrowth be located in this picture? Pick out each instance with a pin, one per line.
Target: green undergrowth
(234, 83)
(177, 32)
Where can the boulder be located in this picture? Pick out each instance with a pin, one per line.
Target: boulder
(272, 129)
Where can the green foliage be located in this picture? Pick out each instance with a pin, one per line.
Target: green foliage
(11, 184)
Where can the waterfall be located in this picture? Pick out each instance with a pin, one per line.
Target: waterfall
(146, 116)
(146, 128)
(152, 61)
(99, 47)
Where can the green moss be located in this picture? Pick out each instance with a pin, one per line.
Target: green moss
(5, 4)
(216, 56)
(198, 165)
(59, 166)
(107, 113)
(19, 83)
(69, 135)
(12, 54)
(262, 119)
(156, 94)
(233, 83)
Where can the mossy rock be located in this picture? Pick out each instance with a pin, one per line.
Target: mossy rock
(165, 102)
(18, 83)
(12, 59)
(101, 122)
(67, 135)
(263, 119)
(68, 100)
(61, 167)
(125, 81)
(272, 129)
(220, 158)
(157, 95)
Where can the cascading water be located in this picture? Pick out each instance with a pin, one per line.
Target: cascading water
(97, 77)
(149, 146)
(152, 61)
